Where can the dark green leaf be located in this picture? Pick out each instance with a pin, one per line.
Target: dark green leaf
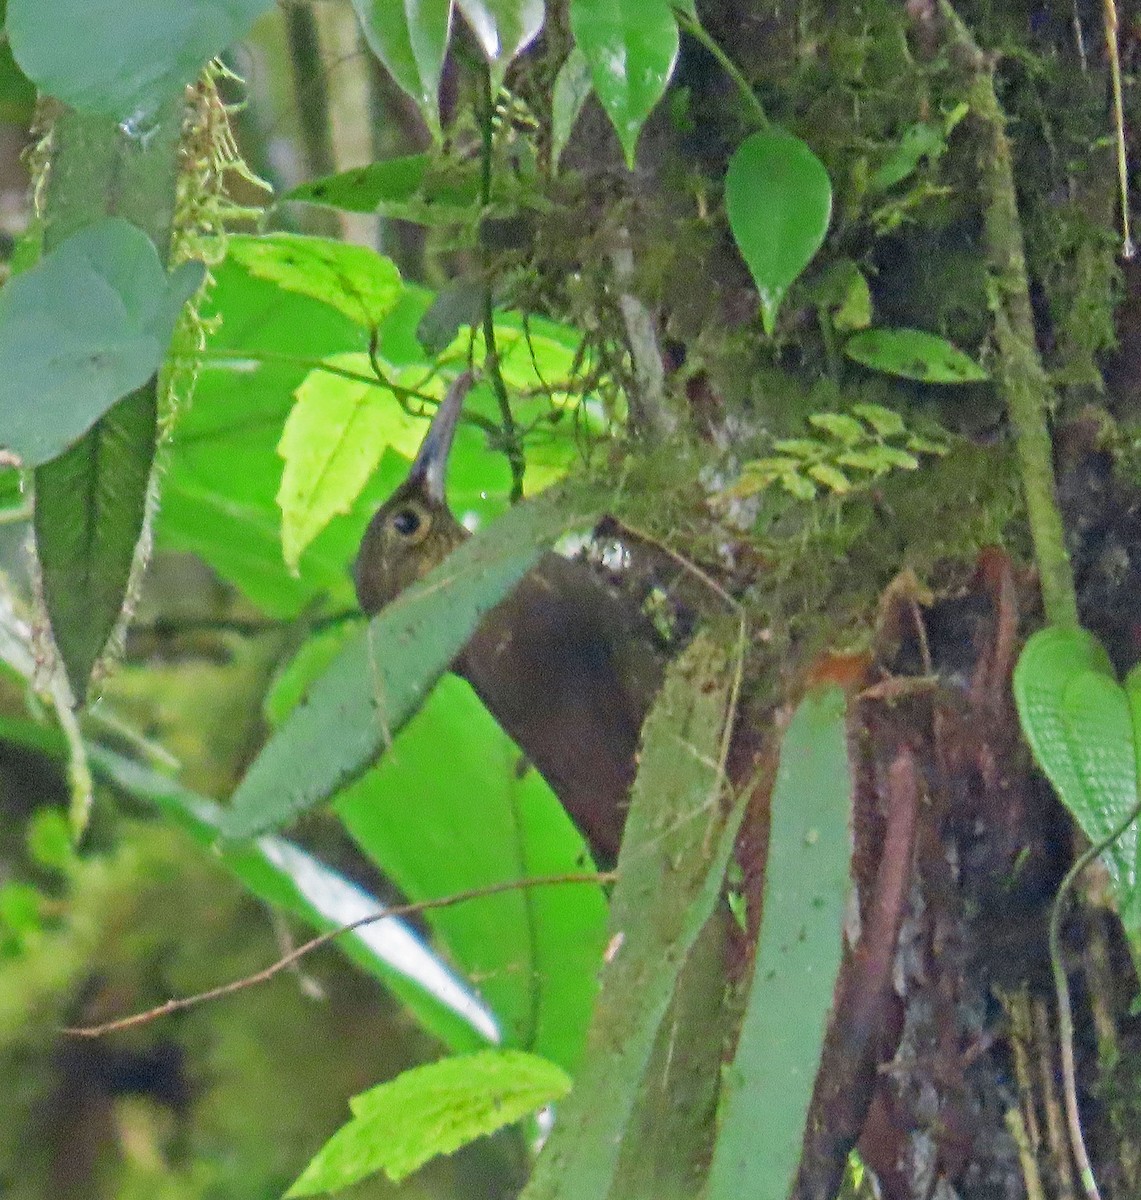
(410, 37)
(383, 675)
(670, 871)
(765, 1099)
(778, 198)
(123, 58)
(88, 324)
(367, 189)
(572, 87)
(913, 354)
(631, 47)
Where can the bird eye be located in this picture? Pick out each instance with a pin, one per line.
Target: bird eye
(406, 522)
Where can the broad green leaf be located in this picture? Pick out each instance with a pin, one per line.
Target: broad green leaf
(767, 1092)
(431, 1110)
(87, 325)
(222, 474)
(670, 871)
(382, 676)
(458, 303)
(631, 47)
(368, 189)
(1077, 720)
(482, 820)
(831, 477)
(913, 354)
(924, 139)
(284, 875)
(503, 28)
(410, 37)
(333, 440)
(123, 58)
(572, 87)
(355, 280)
(778, 199)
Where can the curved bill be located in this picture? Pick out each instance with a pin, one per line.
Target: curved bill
(431, 463)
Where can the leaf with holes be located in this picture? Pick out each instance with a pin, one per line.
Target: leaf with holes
(913, 354)
(778, 198)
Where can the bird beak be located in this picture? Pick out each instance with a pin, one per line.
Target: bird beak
(431, 463)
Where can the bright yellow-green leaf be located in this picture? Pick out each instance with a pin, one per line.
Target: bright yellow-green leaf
(431, 1110)
(332, 441)
(355, 280)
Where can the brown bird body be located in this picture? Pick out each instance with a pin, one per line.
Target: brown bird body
(565, 665)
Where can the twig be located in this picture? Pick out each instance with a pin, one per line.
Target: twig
(1019, 372)
(690, 24)
(179, 1004)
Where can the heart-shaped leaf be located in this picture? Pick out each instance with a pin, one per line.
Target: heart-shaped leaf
(1079, 722)
(123, 58)
(778, 198)
(89, 324)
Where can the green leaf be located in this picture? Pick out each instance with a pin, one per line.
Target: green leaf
(671, 868)
(368, 189)
(1078, 722)
(572, 87)
(767, 1092)
(831, 477)
(410, 37)
(332, 442)
(123, 58)
(486, 820)
(778, 199)
(631, 47)
(503, 28)
(431, 1110)
(355, 280)
(925, 139)
(282, 874)
(383, 675)
(885, 421)
(913, 354)
(847, 429)
(87, 325)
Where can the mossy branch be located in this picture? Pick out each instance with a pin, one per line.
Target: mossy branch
(1018, 368)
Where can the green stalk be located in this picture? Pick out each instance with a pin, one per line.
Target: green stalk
(1018, 369)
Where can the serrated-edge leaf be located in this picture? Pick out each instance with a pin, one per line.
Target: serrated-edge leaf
(431, 1110)
(375, 684)
(331, 444)
(354, 280)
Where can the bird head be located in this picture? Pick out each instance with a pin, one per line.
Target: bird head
(413, 530)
